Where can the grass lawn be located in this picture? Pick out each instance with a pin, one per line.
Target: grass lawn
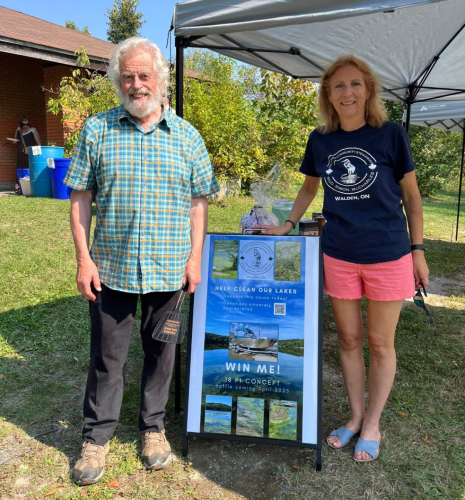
(44, 346)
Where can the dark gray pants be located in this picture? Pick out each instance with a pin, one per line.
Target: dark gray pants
(112, 316)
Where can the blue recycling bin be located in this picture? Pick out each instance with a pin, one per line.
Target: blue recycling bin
(59, 190)
(20, 174)
(41, 180)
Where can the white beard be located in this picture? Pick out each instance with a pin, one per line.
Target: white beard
(141, 109)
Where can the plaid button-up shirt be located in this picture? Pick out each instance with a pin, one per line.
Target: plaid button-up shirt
(143, 183)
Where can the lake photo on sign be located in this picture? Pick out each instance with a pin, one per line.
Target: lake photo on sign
(250, 416)
(283, 419)
(225, 255)
(218, 414)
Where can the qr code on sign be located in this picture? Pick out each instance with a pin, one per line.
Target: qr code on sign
(280, 309)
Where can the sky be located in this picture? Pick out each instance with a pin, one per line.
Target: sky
(91, 13)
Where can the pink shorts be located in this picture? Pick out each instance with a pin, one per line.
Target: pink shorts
(385, 281)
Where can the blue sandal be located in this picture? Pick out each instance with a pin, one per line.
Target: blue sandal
(344, 435)
(370, 447)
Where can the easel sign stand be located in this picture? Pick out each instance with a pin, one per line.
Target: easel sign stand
(254, 362)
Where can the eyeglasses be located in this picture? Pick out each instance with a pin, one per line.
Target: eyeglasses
(25, 124)
(419, 301)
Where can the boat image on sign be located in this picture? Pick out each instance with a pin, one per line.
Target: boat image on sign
(253, 342)
(250, 341)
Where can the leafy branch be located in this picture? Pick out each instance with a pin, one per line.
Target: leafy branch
(80, 96)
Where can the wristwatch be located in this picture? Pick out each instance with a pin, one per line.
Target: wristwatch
(418, 247)
(292, 222)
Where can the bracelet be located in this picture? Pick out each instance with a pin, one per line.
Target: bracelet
(418, 247)
(289, 220)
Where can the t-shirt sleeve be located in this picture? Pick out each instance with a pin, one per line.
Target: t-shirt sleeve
(81, 171)
(203, 181)
(308, 163)
(402, 157)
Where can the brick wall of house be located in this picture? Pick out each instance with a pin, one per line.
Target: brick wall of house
(52, 78)
(21, 80)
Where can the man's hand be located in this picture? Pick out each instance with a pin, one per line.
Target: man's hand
(199, 214)
(87, 273)
(81, 217)
(191, 275)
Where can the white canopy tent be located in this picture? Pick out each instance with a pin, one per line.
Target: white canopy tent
(443, 115)
(416, 47)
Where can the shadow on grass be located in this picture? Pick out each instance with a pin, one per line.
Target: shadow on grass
(44, 351)
(44, 359)
(445, 258)
(43, 364)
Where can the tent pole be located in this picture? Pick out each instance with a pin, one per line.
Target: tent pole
(407, 120)
(460, 187)
(179, 112)
(179, 77)
(409, 101)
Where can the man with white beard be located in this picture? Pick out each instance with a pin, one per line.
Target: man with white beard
(149, 174)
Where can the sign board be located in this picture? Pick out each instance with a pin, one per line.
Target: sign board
(255, 349)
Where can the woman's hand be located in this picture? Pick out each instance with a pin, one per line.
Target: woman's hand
(420, 268)
(412, 204)
(274, 230)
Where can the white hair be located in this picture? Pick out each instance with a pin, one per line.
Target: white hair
(160, 65)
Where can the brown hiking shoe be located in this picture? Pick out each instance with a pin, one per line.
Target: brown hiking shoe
(89, 468)
(156, 450)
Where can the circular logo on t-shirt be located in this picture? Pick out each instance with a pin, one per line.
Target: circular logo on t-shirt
(350, 171)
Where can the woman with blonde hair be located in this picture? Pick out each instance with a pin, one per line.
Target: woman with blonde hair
(367, 173)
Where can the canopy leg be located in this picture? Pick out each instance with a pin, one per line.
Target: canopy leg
(460, 188)
(179, 77)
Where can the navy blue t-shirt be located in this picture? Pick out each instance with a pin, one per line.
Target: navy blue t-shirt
(360, 172)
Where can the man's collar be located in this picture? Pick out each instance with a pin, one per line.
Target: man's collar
(166, 117)
(123, 113)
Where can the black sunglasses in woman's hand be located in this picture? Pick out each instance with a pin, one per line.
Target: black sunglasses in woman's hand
(419, 301)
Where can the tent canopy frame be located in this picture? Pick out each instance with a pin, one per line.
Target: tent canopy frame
(413, 89)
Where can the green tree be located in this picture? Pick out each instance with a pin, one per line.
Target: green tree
(436, 153)
(124, 20)
(249, 119)
(287, 113)
(216, 104)
(72, 25)
(80, 96)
